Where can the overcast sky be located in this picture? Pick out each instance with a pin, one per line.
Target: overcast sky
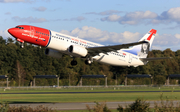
(108, 22)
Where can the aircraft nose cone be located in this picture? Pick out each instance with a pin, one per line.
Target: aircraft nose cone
(11, 30)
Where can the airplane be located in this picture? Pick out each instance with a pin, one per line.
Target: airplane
(58, 44)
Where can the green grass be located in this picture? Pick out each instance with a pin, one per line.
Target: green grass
(86, 97)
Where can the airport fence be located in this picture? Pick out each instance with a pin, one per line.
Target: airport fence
(111, 87)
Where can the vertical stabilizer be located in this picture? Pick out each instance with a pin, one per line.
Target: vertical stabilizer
(143, 49)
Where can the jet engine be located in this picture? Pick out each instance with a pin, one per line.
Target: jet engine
(78, 50)
(53, 53)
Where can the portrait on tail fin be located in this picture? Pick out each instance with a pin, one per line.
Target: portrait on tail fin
(144, 50)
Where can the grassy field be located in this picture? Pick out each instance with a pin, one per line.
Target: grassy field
(86, 97)
(49, 96)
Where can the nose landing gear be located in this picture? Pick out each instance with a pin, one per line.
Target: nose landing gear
(22, 43)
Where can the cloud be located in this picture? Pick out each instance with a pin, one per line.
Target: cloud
(97, 35)
(79, 18)
(15, 1)
(112, 18)
(41, 9)
(29, 19)
(137, 17)
(157, 48)
(108, 12)
(56, 9)
(167, 40)
(147, 17)
(8, 13)
(23, 1)
(131, 18)
(112, 38)
(172, 15)
(5, 34)
(177, 36)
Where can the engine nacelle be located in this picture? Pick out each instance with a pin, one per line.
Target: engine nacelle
(53, 53)
(78, 50)
(59, 46)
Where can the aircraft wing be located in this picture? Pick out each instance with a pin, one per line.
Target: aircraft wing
(105, 49)
(153, 59)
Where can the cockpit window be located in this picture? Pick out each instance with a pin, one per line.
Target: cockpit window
(19, 27)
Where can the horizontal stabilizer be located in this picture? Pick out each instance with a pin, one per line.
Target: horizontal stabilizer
(153, 59)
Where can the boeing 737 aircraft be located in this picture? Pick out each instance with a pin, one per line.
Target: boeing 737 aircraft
(58, 44)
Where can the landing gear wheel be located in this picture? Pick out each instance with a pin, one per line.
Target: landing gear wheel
(73, 62)
(22, 45)
(88, 62)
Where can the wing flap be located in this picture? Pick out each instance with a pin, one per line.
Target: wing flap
(105, 49)
(153, 59)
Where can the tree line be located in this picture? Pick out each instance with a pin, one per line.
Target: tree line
(21, 64)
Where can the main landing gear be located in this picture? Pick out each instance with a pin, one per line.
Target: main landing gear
(87, 62)
(73, 62)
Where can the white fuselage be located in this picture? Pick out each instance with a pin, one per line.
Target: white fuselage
(61, 42)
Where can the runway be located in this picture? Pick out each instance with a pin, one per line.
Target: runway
(82, 105)
(72, 106)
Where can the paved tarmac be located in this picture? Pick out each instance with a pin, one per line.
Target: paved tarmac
(71, 106)
(81, 105)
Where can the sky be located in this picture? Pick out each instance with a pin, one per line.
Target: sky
(108, 22)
